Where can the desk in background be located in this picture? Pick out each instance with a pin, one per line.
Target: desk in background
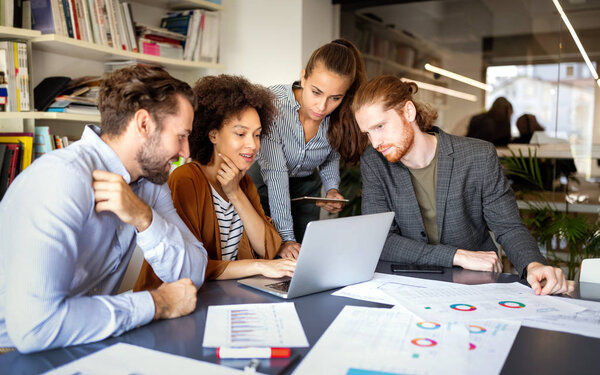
(534, 351)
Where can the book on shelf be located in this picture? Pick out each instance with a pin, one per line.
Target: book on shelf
(26, 139)
(201, 29)
(14, 77)
(103, 22)
(15, 13)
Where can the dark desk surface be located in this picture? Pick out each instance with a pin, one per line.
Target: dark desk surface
(534, 351)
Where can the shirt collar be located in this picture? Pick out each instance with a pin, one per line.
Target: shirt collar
(290, 95)
(110, 159)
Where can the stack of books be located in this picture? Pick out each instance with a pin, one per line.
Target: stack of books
(201, 29)
(14, 77)
(105, 22)
(159, 41)
(80, 97)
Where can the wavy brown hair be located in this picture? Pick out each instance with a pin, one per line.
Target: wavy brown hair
(219, 98)
(393, 93)
(130, 89)
(343, 58)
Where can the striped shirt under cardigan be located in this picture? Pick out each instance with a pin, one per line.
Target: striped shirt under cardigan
(230, 226)
(284, 154)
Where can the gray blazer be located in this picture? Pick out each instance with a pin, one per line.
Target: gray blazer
(472, 196)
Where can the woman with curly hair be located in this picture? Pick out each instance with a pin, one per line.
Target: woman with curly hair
(213, 195)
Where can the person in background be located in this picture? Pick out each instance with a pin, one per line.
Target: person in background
(313, 129)
(447, 191)
(213, 195)
(493, 125)
(527, 125)
(70, 222)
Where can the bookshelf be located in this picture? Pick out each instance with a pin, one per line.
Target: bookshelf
(389, 51)
(59, 55)
(86, 50)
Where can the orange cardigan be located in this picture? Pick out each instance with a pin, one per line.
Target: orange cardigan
(192, 198)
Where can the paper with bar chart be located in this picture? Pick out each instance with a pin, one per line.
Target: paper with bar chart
(258, 324)
(368, 340)
(474, 302)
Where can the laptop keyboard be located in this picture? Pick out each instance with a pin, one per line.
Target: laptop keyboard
(282, 286)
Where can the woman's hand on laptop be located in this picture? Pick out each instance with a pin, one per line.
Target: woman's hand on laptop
(277, 267)
(289, 250)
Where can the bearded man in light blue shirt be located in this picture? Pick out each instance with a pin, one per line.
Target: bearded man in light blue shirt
(70, 222)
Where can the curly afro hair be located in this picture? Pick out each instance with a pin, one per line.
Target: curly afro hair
(219, 98)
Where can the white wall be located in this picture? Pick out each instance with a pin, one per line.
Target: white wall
(261, 40)
(318, 25)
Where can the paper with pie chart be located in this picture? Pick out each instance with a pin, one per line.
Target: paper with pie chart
(476, 302)
(489, 344)
(368, 340)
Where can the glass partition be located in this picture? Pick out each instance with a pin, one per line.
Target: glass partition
(465, 54)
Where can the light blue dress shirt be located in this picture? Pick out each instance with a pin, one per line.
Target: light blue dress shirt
(284, 153)
(61, 262)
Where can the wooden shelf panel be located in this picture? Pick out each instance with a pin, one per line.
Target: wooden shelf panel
(181, 4)
(17, 33)
(50, 116)
(63, 45)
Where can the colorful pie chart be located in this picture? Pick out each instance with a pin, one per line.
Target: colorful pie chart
(462, 307)
(512, 304)
(476, 329)
(423, 342)
(428, 325)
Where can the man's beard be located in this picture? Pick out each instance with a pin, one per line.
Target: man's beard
(399, 151)
(152, 162)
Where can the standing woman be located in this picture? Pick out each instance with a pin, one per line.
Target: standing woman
(213, 195)
(315, 126)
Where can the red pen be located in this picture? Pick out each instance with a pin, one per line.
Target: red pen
(233, 352)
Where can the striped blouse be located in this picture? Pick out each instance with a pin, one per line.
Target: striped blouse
(284, 154)
(230, 226)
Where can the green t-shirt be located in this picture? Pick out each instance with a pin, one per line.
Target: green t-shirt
(424, 181)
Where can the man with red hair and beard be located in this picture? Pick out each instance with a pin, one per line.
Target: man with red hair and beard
(70, 222)
(448, 192)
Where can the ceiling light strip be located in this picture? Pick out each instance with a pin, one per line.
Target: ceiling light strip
(442, 90)
(458, 77)
(576, 39)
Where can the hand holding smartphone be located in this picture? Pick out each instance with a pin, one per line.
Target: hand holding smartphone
(403, 268)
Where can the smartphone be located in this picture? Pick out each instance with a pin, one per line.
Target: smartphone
(402, 268)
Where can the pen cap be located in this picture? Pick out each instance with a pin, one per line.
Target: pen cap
(280, 352)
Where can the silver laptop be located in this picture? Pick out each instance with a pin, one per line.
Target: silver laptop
(334, 253)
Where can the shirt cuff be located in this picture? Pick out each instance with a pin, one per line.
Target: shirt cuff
(151, 236)
(145, 308)
(330, 183)
(287, 236)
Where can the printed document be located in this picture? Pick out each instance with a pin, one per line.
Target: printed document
(258, 324)
(476, 302)
(369, 340)
(126, 359)
(586, 322)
